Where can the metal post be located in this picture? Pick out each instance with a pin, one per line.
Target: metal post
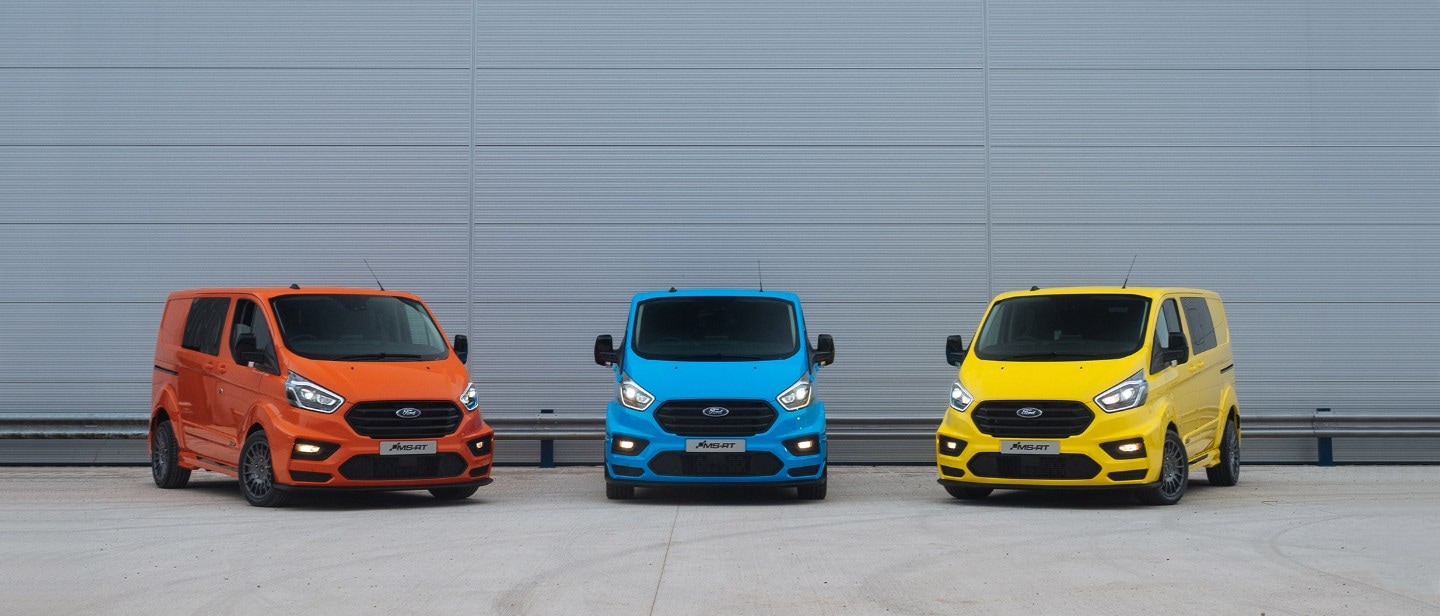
(547, 447)
(1324, 447)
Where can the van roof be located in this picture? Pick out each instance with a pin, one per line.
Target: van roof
(273, 292)
(717, 292)
(1151, 292)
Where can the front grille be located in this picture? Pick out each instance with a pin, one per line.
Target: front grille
(749, 464)
(1058, 418)
(422, 466)
(1018, 466)
(378, 419)
(687, 417)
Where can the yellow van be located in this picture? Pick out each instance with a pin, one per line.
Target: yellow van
(1097, 387)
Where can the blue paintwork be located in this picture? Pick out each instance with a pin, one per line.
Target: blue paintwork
(733, 380)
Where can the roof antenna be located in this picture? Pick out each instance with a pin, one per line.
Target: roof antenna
(372, 274)
(759, 273)
(1132, 268)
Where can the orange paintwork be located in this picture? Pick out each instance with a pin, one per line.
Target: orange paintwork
(213, 401)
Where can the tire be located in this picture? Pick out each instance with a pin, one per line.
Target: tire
(1227, 472)
(257, 473)
(968, 493)
(814, 491)
(165, 458)
(1174, 474)
(619, 492)
(452, 494)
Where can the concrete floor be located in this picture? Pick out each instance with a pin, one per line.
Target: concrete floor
(888, 540)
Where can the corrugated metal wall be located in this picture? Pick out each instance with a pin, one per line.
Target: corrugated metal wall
(525, 166)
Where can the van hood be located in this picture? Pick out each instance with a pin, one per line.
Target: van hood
(1044, 380)
(359, 381)
(734, 380)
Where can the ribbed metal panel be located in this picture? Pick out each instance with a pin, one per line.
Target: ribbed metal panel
(1239, 187)
(540, 262)
(316, 186)
(288, 33)
(207, 107)
(142, 263)
(793, 187)
(1171, 35)
(1110, 107)
(572, 107)
(744, 33)
(1300, 262)
(1283, 153)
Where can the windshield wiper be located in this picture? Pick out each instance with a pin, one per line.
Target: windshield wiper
(720, 356)
(1049, 355)
(379, 357)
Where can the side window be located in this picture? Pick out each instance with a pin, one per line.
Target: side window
(1167, 324)
(248, 332)
(1202, 329)
(204, 324)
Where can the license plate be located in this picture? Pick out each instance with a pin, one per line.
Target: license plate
(406, 448)
(1044, 448)
(719, 445)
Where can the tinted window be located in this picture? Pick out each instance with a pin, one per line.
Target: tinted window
(358, 328)
(1202, 329)
(204, 324)
(715, 328)
(249, 321)
(1167, 323)
(1064, 328)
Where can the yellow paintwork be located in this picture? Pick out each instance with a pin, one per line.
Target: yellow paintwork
(1199, 423)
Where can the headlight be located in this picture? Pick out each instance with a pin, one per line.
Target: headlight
(797, 396)
(1129, 394)
(307, 395)
(469, 397)
(634, 396)
(960, 397)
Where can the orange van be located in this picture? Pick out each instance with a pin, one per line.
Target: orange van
(294, 389)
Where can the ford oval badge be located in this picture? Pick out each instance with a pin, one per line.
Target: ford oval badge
(408, 412)
(1029, 412)
(715, 411)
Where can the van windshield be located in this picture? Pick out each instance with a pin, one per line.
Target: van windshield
(346, 327)
(1063, 328)
(715, 329)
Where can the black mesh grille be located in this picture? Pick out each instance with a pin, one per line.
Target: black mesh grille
(1013, 466)
(423, 466)
(1057, 419)
(749, 464)
(378, 419)
(742, 417)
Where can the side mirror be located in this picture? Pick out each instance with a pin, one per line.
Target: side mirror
(954, 350)
(462, 347)
(824, 352)
(246, 352)
(1176, 350)
(605, 354)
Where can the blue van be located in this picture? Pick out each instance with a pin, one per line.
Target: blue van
(715, 386)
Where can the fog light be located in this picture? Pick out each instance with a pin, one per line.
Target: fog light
(312, 450)
(1128, 449)
(627, 445)
(949, 446)
(481, 446)
(807, 445)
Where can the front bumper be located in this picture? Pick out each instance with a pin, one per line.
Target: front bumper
(766, 460)
(354, 462)
(967, 457)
